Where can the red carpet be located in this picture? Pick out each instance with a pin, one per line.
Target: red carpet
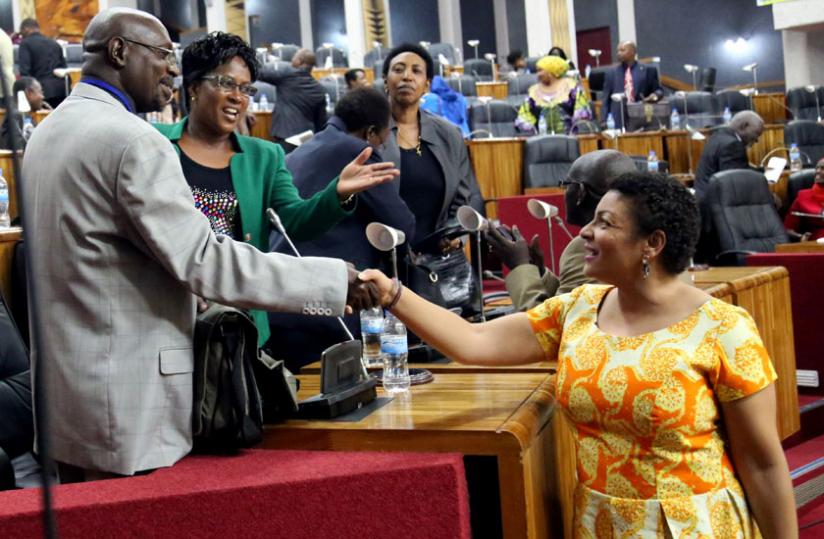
(295, 494)
(811, 520)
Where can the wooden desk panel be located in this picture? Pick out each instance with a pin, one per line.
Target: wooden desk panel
(320, 72)
(495, 90)
(800, 247)
(476, 414)
(498, 165)
(8, 239)
(771, 106)
(588, 143)
(636, 143)
(6, 163)
(770, 139)
(263, 125)
(682, 152)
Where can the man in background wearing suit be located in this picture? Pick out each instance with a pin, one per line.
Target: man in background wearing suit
(119, 253)
(39, 56)
(301, 101)
(638, 83)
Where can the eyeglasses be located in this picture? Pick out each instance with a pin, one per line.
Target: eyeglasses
(566, 182)
(228, 85)
(163, 52)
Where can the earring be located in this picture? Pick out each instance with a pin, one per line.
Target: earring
(645, 266)
(194, 98)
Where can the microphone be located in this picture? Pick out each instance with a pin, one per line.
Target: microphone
(489, 275)
(385, 238)
(543, 211)
(472, 221)
(274, 218)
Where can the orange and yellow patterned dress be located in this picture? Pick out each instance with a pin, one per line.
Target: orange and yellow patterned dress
(651, 453)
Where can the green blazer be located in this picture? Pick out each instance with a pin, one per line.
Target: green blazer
(261, 180)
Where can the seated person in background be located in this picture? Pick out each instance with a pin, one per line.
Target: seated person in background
(636, 81)
(808, 201)
(726, 148)
(447, 103)
(356, 78)
(16, 420)
(556, 97)
(235, 178)
(34, 95)
(361, 121)
(559, 52)
(529, 283)
(301, 102)
(515, 63)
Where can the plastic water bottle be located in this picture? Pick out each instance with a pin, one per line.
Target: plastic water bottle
(795, 158)
(675, 119)
(727, 115)
(5, 221)
(542, 124)
(610, 122)
(395, 351)
(28, 127)
(652, 162)
(264, 103)
(371, 323)
(330, 109)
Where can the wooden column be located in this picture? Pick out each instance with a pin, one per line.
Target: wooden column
(559, 25)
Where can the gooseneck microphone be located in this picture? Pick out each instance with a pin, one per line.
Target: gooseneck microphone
(274, 218)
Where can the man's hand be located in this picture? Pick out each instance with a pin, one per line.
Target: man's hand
(536, 254)
(360, 295)
(513, 252)
(357, 176)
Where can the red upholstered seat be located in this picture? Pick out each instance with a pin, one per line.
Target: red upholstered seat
(807, 293)
(295, 494)
(513, 211)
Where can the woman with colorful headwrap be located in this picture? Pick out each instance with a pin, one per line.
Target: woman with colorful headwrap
(560, 99)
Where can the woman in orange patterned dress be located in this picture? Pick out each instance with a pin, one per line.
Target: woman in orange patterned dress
(671, 391)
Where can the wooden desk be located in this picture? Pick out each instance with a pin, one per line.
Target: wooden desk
(320, 72)
(507, 417)
(800, 247)
(263, 125)
(765, 294)
(448, 70)
(770, 139)
(588, 143)
(636, 143)
(6, 163)
(682, 153)
(495, 89)
(8, 239)
(771, 106)
(498, 165)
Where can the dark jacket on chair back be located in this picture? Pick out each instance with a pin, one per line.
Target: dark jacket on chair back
(301, 103)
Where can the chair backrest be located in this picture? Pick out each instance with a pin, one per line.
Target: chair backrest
(480, 69)
(803, 104)
(701, 107)
(338, 57)
(334, 87)
(374, 56)
(803, 179)
(548, 158)
(74, 54)
(463, 84)
(642, 165)
(733, 99)
(512, 211)
(442, 48)
(532, 63)
(743, 212)
(264, 88)
(520, 83)
(809, 136)
(286, 52)
(806, 298)
(707, 81)
(496, 117)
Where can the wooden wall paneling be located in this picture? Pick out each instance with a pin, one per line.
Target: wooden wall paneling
(498, 165)
(559, 25)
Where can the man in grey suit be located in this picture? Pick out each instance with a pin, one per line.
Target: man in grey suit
(529, 283)
(119, 253)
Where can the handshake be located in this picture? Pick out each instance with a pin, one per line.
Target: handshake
(360, 294)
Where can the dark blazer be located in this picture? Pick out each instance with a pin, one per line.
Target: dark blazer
(38, 57)
(300, 339)
(447, 144)
(644, 83)
(301, 101)
(724, 151)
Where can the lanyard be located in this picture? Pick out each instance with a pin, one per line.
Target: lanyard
(103, 85)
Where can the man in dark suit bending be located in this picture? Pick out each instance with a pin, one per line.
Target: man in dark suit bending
(638, 83)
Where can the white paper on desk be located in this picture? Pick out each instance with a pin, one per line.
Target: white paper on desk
(775, 166)
(300, 138)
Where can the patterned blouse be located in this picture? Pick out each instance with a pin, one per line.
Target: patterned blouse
(560, 110)
(652, 459)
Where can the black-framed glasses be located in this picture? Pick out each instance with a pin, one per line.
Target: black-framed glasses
(163, 52)
(228, 85)
(566, 182)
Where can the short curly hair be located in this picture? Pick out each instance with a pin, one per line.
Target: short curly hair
(415, 49)
(363, 107)
(660, 202)
(211, 51)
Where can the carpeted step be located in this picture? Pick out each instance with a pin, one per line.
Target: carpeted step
(806, 462)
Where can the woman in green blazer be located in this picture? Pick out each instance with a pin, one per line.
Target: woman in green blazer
(235, 178)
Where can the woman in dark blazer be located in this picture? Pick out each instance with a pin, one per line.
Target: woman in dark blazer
(234, 179)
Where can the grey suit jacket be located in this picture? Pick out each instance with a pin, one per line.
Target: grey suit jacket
(528, 289)
(447, 145)
(118, 250)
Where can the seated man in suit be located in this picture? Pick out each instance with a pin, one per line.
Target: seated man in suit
(636, 81)
(356, 78)
(34, 95)
(529, 283)
(301, 104)
(726, 148)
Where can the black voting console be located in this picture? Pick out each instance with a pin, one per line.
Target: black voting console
(344, 384)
